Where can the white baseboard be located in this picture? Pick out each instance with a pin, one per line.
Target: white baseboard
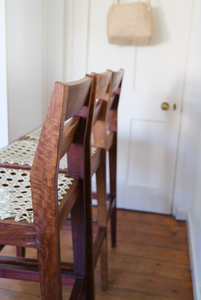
(193, 258)
(181, 214)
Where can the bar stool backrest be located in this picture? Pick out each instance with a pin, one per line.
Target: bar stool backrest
(55, 140)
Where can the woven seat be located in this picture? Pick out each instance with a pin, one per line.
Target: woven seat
(35, 134)
(19, 152)
(15, 194)
(22, 152)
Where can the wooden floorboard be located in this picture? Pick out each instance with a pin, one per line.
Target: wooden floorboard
(150, 262)
(165, 230)
(152, 252)
(157, 240)
(149, 218)
(149, 266)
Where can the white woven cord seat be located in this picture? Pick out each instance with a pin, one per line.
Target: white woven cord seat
(19, 152)
(23, 152)
(35, 134)
(15, 191)
(15, 194)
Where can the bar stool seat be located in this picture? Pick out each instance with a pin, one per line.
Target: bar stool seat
(22, 152)
(15, 193)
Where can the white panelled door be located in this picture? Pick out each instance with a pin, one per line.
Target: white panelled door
(147, 135)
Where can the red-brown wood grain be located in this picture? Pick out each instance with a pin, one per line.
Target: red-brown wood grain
(44, 234)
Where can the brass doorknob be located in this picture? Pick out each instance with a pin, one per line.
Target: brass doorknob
(165, 106)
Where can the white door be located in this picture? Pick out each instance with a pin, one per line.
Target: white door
(147, 135)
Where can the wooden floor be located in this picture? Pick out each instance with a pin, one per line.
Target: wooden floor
(150, 262)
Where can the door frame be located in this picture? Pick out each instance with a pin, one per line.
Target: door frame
(188, 143)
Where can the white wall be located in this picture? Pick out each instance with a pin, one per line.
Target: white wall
(190, 122)
(195, 215)
(196, 202)
(25, 65)
(3, 77)
(76, 26)
(187, 196)
(35, 38)
(53, 39)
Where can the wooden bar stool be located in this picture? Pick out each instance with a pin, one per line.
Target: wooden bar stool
(26, 147)
(102, 83)
(39, 196)
(105, 136)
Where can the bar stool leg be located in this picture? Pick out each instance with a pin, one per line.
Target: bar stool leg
(78, 233)
(20, 251)
(113, 170)
(102, 215)
(90, 280)
(49, 265)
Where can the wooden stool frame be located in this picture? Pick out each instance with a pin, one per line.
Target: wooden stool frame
(56, 139)
(108, 120)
